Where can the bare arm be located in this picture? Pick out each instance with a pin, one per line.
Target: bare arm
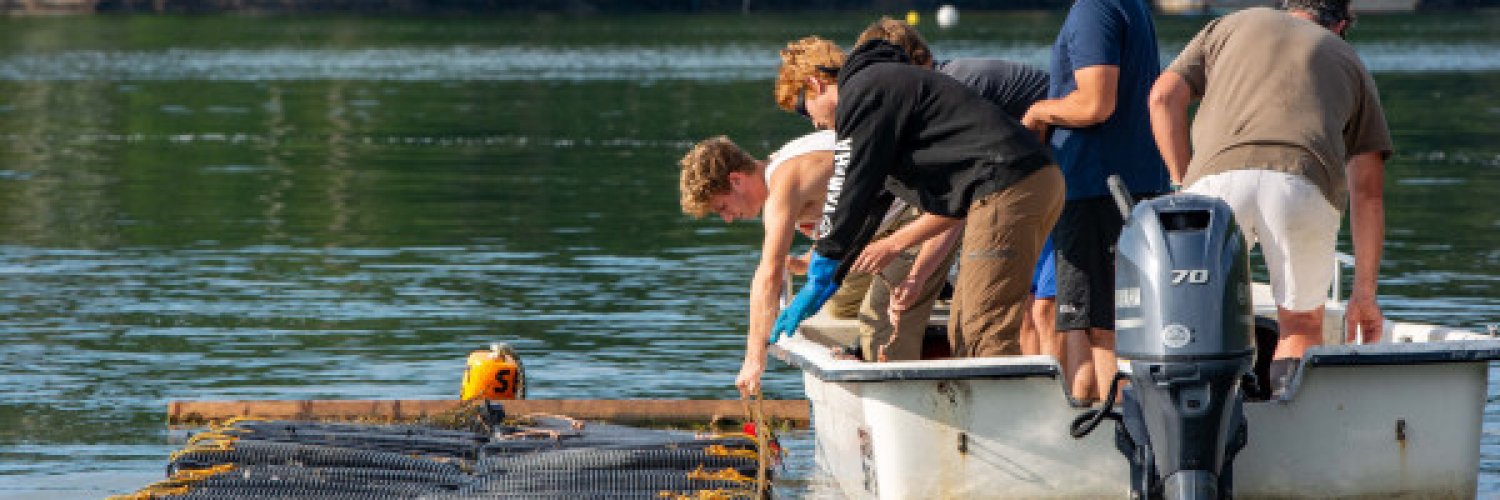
(798, 180)
(880, 252)
(905, 290)
(1367, 218)
(1091, 103)
(928, 259)
(1169, 101)
(1367, 231)
(765, 289)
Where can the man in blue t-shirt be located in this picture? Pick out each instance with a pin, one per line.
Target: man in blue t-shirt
(1103, 65)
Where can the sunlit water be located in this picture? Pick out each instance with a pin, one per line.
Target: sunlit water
(270, 208)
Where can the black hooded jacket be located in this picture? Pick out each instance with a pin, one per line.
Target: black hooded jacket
(921, 134)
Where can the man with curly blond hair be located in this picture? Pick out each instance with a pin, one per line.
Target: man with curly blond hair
(936, 144)
(787, 191)
(1014, 87)
(810, 57)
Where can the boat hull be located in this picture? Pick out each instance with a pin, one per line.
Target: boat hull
(1387, 420)
(951, 439)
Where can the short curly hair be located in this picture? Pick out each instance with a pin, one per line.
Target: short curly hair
(1325, 12)
(809, 57)
(705, 172)
(901, 35)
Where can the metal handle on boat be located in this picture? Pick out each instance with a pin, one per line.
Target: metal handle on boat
(1121, 195)
(1340, 261)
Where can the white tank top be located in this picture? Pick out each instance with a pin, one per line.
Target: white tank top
(821, 140)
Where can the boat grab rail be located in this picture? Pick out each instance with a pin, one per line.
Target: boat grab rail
(1340, 261)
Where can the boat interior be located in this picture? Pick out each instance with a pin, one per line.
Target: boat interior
(1401, 343)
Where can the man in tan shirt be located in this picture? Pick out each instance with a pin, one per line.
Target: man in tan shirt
(1289, 127)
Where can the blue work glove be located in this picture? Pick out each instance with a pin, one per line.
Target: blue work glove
(820, 286)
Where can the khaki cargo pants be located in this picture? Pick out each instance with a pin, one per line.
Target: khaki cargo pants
(874, 322)
(1003, 237)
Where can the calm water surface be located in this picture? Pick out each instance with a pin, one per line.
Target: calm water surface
(297, 208)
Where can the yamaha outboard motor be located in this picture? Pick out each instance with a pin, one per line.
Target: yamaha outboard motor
(1183, 321)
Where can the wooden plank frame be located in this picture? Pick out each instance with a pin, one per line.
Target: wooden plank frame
(702, 412)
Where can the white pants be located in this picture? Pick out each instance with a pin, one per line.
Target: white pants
(1292, 222)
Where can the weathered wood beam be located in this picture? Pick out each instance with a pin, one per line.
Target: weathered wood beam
(626, 411)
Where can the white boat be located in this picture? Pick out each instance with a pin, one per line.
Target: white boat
(1400, 418)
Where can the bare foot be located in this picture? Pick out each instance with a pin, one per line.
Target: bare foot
(845, 352)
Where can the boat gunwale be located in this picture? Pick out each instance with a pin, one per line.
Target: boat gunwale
(812, 358)
(793, 352)
(1405, 353)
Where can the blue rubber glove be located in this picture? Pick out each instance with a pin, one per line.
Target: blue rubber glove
(820, 286)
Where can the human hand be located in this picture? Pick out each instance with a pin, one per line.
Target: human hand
(797, 264)
(820, 286)
(1362, 318)
(748, 380)
(903, 295)
(875, 256)
(1033, 122)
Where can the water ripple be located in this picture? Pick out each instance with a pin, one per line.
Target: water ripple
(578, 63)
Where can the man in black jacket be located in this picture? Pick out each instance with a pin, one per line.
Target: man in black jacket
(936, 144)
(1014, 87)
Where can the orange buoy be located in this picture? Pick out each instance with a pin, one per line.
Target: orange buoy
(494, 374)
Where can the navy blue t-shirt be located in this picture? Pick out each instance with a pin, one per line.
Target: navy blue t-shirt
(1114, 33)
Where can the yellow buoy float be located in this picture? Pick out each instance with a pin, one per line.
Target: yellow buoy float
(494, 374)
(912, 17)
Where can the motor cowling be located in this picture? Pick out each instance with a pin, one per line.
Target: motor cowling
(1183, 321)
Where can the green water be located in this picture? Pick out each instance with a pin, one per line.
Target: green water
(288, 208)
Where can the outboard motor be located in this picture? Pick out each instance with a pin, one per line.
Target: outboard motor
(1183, 321)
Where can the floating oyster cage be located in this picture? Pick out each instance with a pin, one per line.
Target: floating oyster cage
(473, 452)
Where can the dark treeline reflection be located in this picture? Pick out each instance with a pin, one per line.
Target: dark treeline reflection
(107, 164)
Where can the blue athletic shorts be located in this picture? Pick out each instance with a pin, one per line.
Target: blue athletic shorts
(1044, 279)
